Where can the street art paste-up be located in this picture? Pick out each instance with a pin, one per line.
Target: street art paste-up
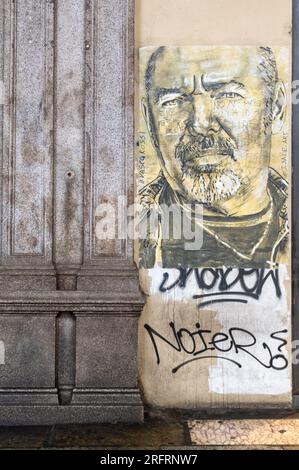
(213, 150)
(211, 113)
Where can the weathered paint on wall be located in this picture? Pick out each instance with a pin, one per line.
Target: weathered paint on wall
(221, 353)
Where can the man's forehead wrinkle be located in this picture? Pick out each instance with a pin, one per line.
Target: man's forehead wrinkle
(194, 85)
(214, 70)
(160, 92)
(212, 84)
(177, 67)
(172, 81)
(223, 76)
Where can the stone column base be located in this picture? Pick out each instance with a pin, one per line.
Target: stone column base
(69, 357)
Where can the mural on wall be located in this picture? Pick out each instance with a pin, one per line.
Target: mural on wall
(212, 181)
(210, 114)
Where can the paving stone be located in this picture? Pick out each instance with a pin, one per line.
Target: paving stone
(161, 430)
(247, 432)
(119, 436)
(24, 437)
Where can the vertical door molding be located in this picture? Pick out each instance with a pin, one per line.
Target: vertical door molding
(69, 141)
(109, 144)
(27, 151)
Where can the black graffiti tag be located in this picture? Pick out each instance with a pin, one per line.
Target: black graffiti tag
(203, 344)
(238, 284)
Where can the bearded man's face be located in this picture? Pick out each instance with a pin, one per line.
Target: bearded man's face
(209, 111)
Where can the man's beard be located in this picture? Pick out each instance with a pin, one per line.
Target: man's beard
(209, 187)
(209, 182)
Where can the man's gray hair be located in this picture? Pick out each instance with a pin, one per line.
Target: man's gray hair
(269, 73)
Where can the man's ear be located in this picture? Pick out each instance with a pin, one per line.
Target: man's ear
(279, 107)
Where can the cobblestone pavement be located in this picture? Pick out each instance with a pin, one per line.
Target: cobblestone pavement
(166, 430)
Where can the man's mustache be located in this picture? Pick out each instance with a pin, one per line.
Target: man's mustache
(200, 145)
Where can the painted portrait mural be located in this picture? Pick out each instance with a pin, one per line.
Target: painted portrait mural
(212, 175)
(211, 114)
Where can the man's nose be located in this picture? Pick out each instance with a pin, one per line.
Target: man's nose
(203, 118)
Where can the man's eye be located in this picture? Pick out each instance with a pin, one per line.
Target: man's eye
(228, 94)
(173, 102)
